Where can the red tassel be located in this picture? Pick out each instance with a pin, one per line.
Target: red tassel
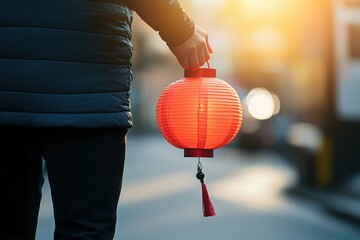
(208, 208)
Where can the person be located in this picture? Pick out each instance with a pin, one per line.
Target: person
(65, 74)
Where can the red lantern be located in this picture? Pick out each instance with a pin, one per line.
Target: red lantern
(199, 113)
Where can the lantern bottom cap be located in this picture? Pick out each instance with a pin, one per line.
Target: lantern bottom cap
(198, 152)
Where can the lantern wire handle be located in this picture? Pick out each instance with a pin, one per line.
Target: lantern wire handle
(208, 64)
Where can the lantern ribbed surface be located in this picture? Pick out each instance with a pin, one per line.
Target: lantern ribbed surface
(199, 112)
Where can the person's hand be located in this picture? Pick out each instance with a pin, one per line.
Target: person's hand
(195, 51)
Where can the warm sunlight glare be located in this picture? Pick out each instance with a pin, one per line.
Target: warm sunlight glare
(212, 3)
(267, 39)
(260, 7)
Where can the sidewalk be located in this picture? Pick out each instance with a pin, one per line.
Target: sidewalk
(344, 203)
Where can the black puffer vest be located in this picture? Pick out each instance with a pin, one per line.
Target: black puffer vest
(65, 63)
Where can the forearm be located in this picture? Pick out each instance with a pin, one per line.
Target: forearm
(165, 16)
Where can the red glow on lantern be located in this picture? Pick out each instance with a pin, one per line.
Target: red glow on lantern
(199, 113)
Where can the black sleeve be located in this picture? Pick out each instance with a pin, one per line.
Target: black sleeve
(165, 16)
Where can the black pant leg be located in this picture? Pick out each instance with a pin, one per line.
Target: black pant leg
(85, 169)
(21, 180)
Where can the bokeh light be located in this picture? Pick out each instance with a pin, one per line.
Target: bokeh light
(260, 103)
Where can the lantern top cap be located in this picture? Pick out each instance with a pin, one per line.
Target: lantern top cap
(200, 72)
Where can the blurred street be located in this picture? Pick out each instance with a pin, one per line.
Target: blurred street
(161, 198)
(292, 172)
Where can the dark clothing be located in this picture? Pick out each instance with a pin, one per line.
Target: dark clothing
(67, 63)
(85, 168)
(165, 16)
(64, 85)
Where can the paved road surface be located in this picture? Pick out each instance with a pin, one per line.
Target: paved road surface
(161, 198)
